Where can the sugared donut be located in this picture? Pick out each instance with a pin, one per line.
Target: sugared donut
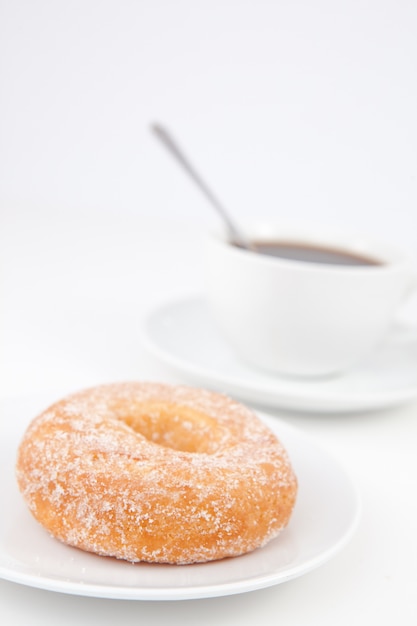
(157, 473)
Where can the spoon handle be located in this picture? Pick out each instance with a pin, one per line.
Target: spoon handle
(166, 138)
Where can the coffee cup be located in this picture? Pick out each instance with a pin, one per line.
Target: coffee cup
(305, 303)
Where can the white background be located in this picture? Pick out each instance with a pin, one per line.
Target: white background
(293, 110)
(290, 108)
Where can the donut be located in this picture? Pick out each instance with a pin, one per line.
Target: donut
(159, 473)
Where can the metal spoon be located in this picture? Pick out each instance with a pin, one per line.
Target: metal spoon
(235, 234)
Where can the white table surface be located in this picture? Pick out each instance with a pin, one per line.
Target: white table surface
(294, 112)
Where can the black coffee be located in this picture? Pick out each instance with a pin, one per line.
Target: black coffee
(311, 254)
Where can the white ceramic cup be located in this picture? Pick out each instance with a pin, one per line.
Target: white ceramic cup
(300, 318)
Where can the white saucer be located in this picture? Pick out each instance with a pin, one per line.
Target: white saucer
(30, 556)
(182, 335)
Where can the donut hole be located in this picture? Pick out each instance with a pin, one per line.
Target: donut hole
(176, 426)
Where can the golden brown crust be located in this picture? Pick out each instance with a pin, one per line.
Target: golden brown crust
(157, 473)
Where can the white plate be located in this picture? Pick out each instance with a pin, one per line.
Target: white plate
(324, 518)
(182, 334)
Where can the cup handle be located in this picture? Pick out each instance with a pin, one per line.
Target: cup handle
(413, 285)
(402, 333)
(406, 331)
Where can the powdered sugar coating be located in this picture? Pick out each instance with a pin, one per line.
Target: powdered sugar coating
(157, 473)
